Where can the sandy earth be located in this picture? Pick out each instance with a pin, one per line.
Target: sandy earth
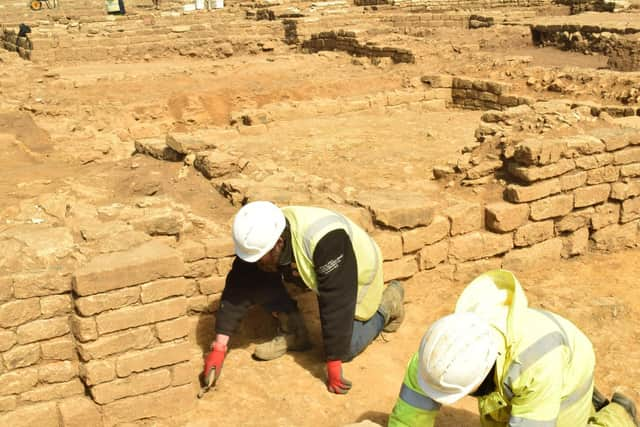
(74, 124)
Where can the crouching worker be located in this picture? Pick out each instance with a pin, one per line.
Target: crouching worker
(319, 249)
(527, 367)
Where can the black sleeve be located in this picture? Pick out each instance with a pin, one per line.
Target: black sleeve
(337, 273)
(245, 285)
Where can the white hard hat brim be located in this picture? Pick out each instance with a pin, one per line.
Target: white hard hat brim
(253, 257)
(443, 398)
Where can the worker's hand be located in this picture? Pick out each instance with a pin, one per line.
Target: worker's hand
(336, 383)
(215, 359)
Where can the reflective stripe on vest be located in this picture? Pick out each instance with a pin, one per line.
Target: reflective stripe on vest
(319, 225)
(523, 422)
(530, 356)
(535, 352)
(418, 400)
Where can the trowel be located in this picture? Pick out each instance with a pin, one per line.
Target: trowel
(209, 383)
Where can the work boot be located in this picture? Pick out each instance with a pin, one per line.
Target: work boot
(628, 406)
(598, 400)
(392, 307)
(292, 336)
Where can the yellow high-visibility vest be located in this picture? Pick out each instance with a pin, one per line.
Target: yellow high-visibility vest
(309, 225)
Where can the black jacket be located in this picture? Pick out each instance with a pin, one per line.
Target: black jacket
(336, 269)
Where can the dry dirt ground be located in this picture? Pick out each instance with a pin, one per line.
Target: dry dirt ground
(73, 125)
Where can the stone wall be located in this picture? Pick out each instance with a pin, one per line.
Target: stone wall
(470, 4)
(346, 41)
(13, 43)
(621, 45)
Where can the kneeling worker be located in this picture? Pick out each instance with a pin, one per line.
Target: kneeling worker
(527, 367)
(319, 249)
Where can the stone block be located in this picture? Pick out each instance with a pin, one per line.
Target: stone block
(186, 373)
(162, 355)
(162, 289)
(6, 288)
(95, 304)
(160, 404)
(576, 243)
(398, 210)
(84, 328)
(147, 262)
(202, 268)
(21, 356)
(42, 415)
(533, 173)
(79, 412)
(465, 217)
(198, 304)
(432, 255)
(624, 190)
(467, 271)
(192, 251)
(584, 145)
(130, 317)
(538, 255)
(39, 330)
(98, 371)
(216, 164)
(55, 305)
(533, 232)
(595, 161)
(591, 195)
(219, 247)
(630, 170)
(8, 403)
(58, 349)
(157, 148)
(223, 265)
(133, 385)
(14, 313)
(7, 339)
(577, 219)
(501, 217)
(551, 207)
(57, 372)
(416, 238)
(630, 210)
(616, 236)
(478, 244)
(540, 152)
(56, 391)
(133, 339)
(626, 156)
(602, 175)
(185, 143)
(527, 193)
(390, 244)
(613, 138)
(605, 214)
(400, 269)
(18, 381)
(212, 285)
(30, 285)
(172, 329)
(573, 180)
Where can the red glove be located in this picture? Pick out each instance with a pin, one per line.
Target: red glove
(336, 383)
(215, 359)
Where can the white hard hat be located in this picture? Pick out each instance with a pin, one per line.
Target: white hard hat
(256, 229)
(455, 356)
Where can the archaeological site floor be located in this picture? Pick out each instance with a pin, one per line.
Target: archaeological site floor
(464, 138)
